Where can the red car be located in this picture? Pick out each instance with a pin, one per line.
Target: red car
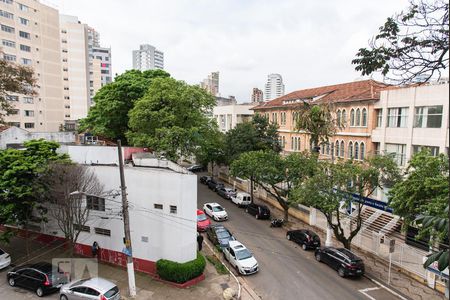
(203, 222)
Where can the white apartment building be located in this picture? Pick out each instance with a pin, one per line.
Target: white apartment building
(228, 116)
(412, 118)
(103, 55)
(29, 35)
(148, 58)
(274, 87)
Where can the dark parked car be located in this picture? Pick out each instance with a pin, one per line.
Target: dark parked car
(196, 168)
(344, 261)
(258, 210)
(219, 235)
(226, 193)
(214, 185)
(42, 277)
(205, 179)
(305, 238)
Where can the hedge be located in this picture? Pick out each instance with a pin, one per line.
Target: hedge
(180, 273)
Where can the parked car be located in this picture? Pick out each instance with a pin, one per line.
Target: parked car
(226, 193)
(91, 288)
(258, 210)
(219, 235)
(5, 259)
(241, 199)
(215, 211)
(42, 277)
(205, 179)
(214, 185)
(203, 222)
(196, 168)
(343, 260)
(305, 238)
(240, 258)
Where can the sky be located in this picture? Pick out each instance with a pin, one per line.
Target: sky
(310, 43)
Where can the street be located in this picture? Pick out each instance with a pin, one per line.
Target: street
(286, 271)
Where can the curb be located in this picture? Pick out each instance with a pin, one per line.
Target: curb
(390, 289)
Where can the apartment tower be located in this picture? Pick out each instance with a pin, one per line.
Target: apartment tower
(274, 87)
(148, 58)
(257, 95)
(211, 84)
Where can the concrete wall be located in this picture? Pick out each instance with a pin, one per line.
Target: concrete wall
(14, 135)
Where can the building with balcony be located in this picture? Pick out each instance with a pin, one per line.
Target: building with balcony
(228, 116)
(274, 87)
(148, 58)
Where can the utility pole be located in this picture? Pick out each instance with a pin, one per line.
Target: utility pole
(329, 239)
(126, 225)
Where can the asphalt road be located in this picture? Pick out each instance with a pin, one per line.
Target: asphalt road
(287, 271)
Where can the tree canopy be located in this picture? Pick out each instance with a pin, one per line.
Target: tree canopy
(109, 116)
(411, 46)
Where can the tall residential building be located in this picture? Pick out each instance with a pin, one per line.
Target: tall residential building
(274, 87)
(211, 84)
(148, 58)
(30, 36)
(257, 95)
(104, 56)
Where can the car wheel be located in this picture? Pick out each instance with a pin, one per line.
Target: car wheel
(304, 247)
(12, 282)
(288, 236)
(63, 297)
(39, 292)
(341, 272)
(318, 257)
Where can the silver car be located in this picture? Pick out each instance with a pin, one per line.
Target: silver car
(92, 288)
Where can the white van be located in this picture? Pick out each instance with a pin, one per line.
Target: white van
(241, 199)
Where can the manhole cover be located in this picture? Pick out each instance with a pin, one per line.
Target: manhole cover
(224, 286)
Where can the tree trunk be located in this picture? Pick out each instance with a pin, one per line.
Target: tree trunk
(251, 189)
(286, 214)
(27, 246)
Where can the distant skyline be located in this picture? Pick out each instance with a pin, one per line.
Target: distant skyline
(309, 43)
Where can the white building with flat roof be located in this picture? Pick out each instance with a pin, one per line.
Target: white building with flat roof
(274, 87)
(228, 116)
(148, 58)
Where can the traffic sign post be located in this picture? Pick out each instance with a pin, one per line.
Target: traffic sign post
(391, 250)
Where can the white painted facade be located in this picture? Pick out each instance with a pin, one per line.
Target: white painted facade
(14, 136)
(228, 116)
(148, 58)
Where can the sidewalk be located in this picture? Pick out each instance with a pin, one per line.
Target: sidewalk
(147, 288)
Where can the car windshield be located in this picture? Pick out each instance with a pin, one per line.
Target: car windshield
(81, 281)
(217, 208)
(243, 254)
(223, 234)
(112, 292)
(2, 252)
(201, 217)
(229, 190)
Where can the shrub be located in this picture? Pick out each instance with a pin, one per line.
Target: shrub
(180, 273)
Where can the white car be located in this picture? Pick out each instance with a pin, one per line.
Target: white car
(240, 258)
(215, 211)
(241, 199)
(5, 259)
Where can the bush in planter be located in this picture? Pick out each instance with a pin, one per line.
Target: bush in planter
(180, 273)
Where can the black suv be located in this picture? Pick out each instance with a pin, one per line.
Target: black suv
(42, 277)
(205, 179)
(258, 210)
(305, 238)
(214, 185)
(196, 168)
(219, 235)
(343, 260)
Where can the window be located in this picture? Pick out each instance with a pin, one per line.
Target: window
(428, 117)
(12, 98)
(275, 118)
(338, 118)
(27, 61)
(379, 114)
(29, 113)
(344, 118)
(24, 35)
(29, 125)
(398, 152)
(158, 206)
(358, 118)
(328, 149)
(25, 48)
(352, 117)
(14, 112)
(397, 117)
(8, 29)
(95, 203)
(356, 153)
(362, 150)
(364, 117)
(28, 100)
(7, 1)
(15, 124)
(102, 231)
(342, 149)
(81, 228)
(6, 14)
(9, 43)
(350, 150)
(63, 31)
(336, 148)
(283, 142)
(24, 21)
(173, 209)
(23, 7)
(434, 151)
(64, 41)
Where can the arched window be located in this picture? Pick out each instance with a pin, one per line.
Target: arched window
(292, 143)
(342, 150)
(283, 141)
(352, 117)
(362, 150)
(350, 150)
(356, 156)
(298, 143)
(358, 118)
(328, 149)
(364, 117)
(338, 118)
(344, 118)
(336, 149)
(322, 148)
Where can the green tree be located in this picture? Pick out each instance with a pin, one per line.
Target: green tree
(211, 148)
(276, 174)
(170, 118)
(109, 116)
(348, 182)
(317, 121)
(14, 78)
(412, 45)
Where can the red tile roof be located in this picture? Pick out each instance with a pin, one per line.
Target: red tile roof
(3, 127)
(344, 92)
